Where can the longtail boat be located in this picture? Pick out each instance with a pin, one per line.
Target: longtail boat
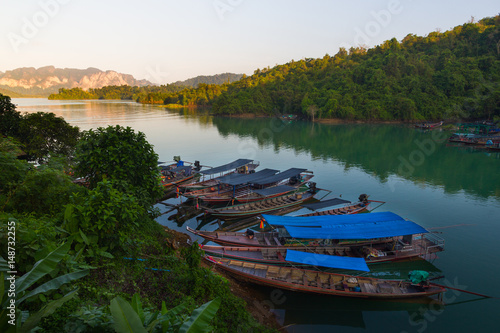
(178, 173)
(310, 281)
(275, 204)
(337, 206)
(256, 187)
(225, 184)
(372, 253)
(209, 178)
(359, 230)
(429, 125)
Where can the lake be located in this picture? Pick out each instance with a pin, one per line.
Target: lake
(449, 189)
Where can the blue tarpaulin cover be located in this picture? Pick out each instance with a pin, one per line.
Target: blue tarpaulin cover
(358, 230)
(357, 264)
(226, 167)
(324, 220)
(280, 176)
(241, 179)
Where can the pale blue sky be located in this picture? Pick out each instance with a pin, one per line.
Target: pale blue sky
(164, 41)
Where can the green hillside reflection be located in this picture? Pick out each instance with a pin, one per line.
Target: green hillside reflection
(381, 150)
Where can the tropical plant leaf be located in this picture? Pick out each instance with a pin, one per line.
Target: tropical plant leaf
(4, 266)
(126, 320)
(54, 284)
(201, 317)
(84, 237)
(42, 268)
(47, 310)
(137, 306)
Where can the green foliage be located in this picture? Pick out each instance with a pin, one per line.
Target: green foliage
(35, 238)
(212, 79)
(13, 170)
(131, 317)
(43, 134)
(454, 74)
(43, 191)
(24, 289)
(74, 93)
(106, 216)
(9, 117)
(119, 153)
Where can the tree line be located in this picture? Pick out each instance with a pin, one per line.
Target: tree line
(444, 75)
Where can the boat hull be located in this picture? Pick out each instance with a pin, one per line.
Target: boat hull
(315, 282)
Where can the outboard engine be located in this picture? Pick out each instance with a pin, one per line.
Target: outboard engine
(363, 198)
(312, 187)
(250, 233)
(293, 180)
(197, 165)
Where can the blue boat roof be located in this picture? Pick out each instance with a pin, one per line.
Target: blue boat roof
(280, 176)
(226, 167)
(240, 179)
(325, 220)
(357, 264)
(369, 230)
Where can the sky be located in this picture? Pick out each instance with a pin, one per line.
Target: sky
(164, 41)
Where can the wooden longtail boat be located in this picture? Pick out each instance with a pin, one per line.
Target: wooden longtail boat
(178, 173)
(226, 184)
(429, 125)
(386, 231)
(240, 166)
(260, 189)
(316, 282)
(336, 206)
(372, 253)
(269, 205)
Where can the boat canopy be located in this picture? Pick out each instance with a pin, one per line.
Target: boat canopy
(230, 166)
(314, 259)
(241, 179)
(280, 176)
(326, 203)
(326, 220)
(358, 231)
(180, 168)
(274, 190)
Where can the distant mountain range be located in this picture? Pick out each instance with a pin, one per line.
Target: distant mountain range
(210, 79)
(29, 81)
(47, 80)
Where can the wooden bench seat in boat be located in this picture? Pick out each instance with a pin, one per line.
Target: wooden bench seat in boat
(297, 276)
(285, 273)
(273, 272)
(310, 277)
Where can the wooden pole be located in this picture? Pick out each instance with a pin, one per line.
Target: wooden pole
(465, 291)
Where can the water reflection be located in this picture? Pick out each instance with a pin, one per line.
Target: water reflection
(380, 150)
(294, 310)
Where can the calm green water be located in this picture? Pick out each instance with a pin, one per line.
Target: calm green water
(418, 174)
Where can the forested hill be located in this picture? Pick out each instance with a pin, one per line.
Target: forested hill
(210, 79)
(443, 75)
